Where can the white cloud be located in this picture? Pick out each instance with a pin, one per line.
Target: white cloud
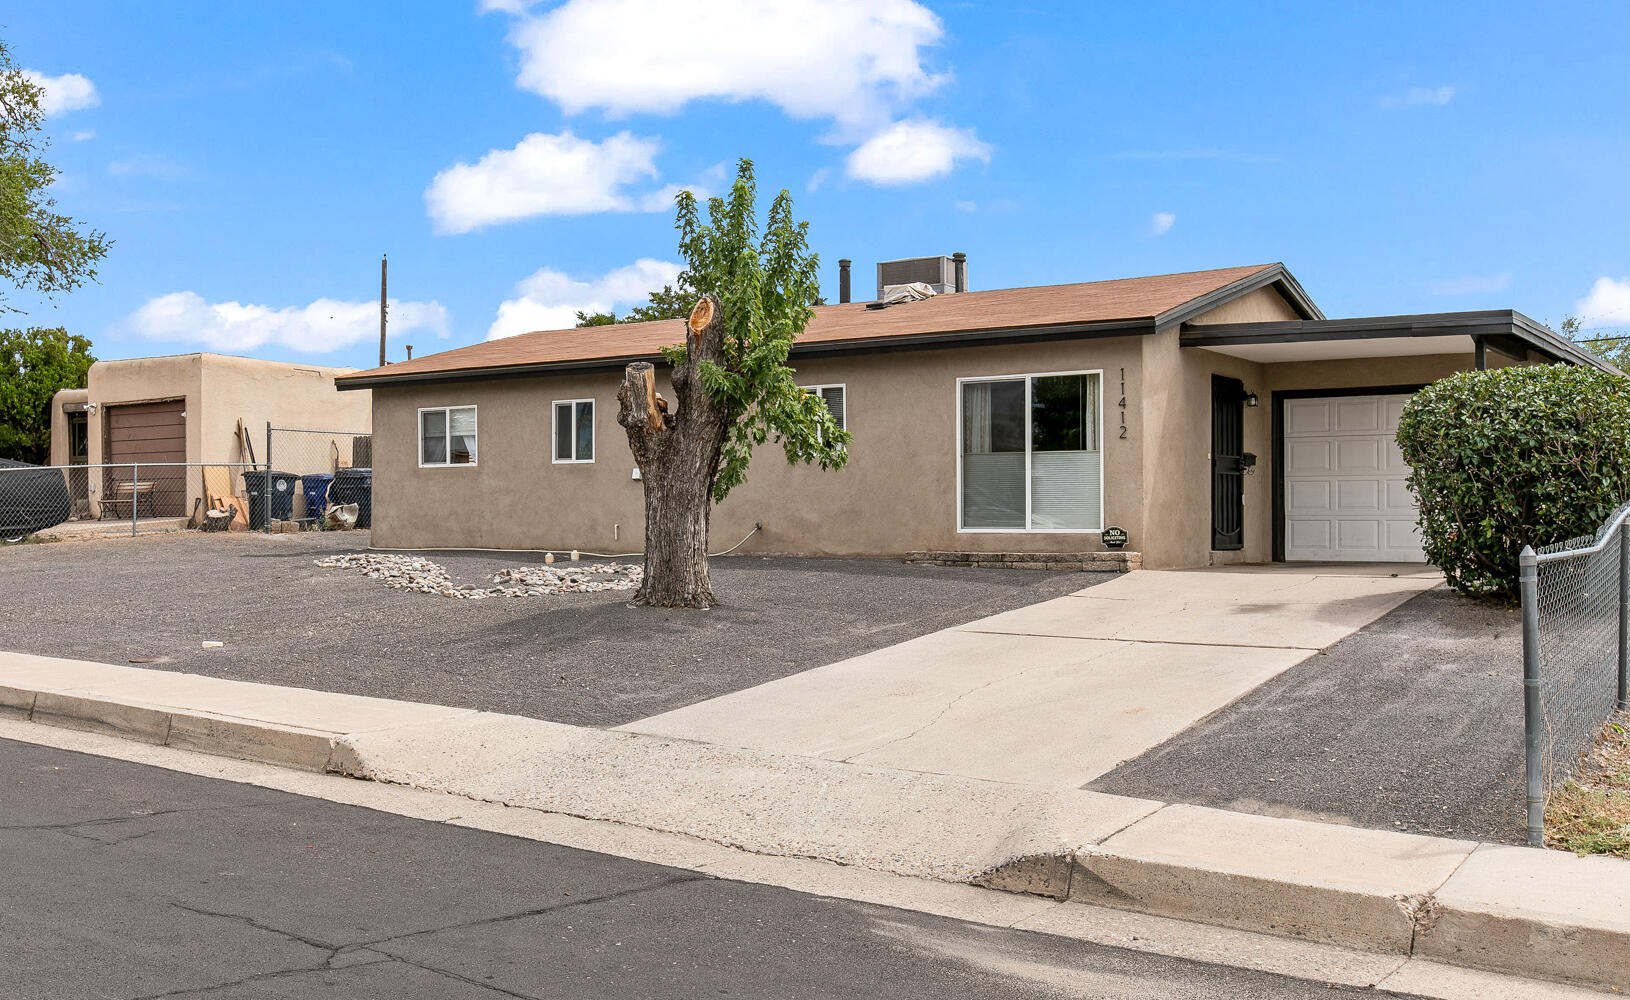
(854, 61)
(1470, 284)
(68, 92)
(1161, 223)
(1419, 95)
(1608, 304)
(83, 135)
(325, 325)
(550, 300)
(914, 150)
(548, 175)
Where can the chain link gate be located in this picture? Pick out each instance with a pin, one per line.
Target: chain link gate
(309, 471)
(1576, 652)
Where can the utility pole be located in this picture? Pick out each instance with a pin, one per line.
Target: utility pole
(382, 262)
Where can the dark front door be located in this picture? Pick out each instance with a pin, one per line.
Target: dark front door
(1227, 463)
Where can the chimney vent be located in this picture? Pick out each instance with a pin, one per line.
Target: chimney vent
(843, 279)
(959, 261)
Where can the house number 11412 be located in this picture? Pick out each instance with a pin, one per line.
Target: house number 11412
(1122, 404)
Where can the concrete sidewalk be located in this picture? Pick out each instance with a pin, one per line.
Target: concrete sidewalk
(1057, 693)
(1514, 910)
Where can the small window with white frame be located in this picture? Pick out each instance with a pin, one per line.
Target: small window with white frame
(446, 436)
(574, 431)
(835, 397)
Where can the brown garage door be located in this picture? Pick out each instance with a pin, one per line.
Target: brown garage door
(145, 432)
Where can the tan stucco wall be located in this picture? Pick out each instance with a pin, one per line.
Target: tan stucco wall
(142, 380)
(59, 422)
(287, 395)
(897, 493)
(1265, 305)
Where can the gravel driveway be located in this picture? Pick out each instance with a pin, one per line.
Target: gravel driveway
(584, 659)
(1413, 723)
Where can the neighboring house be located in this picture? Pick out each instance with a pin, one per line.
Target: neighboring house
(1215, 416)
(186, 408)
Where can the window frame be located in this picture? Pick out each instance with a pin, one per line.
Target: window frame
(447, 436)
(1029, 443)
(815, 390)
(554, 420)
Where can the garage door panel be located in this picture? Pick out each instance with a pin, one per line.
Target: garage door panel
(1308, 456)
(1358, 495)
(149, 433)
(1311, 497)
(1358, 455)
(1309, 534)
(1306, 416)
(1358, 415)
(1346, 492)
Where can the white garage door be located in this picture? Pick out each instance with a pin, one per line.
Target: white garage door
(1345, 497)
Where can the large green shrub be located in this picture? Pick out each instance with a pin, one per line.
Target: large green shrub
(1514, 457)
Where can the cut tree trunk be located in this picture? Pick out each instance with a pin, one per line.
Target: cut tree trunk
(678, 456)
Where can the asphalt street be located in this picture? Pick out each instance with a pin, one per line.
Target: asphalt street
(127, 881)
(1412, 723)
(581, 659)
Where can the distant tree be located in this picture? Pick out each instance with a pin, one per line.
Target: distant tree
(40, 250)
(669, 303)
(595, 319)
(1613, 348)
(731, 378)
(34, 364)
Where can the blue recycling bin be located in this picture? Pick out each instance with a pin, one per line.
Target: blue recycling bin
(315, 488)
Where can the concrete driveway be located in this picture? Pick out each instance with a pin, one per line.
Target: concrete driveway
(1058, 693)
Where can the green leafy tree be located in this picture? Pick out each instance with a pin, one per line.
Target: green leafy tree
(1613, 348)
(595, 319)
(669, 303)
(34, 364)
(730, 376)
(40, 250)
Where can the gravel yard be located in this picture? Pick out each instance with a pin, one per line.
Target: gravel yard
(1413, 723)
(583, 658)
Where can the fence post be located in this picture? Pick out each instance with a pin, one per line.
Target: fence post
(266, 483)
(1624, 610)
(1532, 721)
(135, 491)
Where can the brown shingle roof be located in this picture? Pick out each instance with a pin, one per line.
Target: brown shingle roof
(1002, 309)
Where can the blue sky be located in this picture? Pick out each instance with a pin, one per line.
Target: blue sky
(253, 162)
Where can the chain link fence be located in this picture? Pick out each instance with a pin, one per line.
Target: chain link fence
(138, 496)
(302, 477)
(1576, 623)
(307, 472)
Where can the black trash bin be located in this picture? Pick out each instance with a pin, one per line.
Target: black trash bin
(272, 492)
(355, 486)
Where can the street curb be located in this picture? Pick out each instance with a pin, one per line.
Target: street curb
(1519, 911)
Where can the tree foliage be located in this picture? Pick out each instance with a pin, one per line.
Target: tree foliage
(765, 284)
(1511, 457)
(40, 250)
(1614, 348)
(34, 364)
(669, 303)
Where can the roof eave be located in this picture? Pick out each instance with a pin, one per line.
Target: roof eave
(813, 349)
(1272, 274)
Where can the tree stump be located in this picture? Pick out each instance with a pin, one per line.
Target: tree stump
(678, 455)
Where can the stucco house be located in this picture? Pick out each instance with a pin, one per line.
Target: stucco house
(186, 408)
(1214, 416)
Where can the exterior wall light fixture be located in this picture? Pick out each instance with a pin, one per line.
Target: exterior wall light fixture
(1251, 400)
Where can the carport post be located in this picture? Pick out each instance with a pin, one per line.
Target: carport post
(1528, 584)
(1624, 610)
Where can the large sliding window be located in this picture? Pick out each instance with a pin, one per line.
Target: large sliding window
(1031, 453)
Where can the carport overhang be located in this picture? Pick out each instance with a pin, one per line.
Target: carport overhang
(1504, 331)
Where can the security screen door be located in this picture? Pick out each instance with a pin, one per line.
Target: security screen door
(1031, 453)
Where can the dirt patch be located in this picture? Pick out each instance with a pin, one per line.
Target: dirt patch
(1591, 813)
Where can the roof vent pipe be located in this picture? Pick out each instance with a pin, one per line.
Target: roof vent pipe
(843, 279)
(960, 261)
